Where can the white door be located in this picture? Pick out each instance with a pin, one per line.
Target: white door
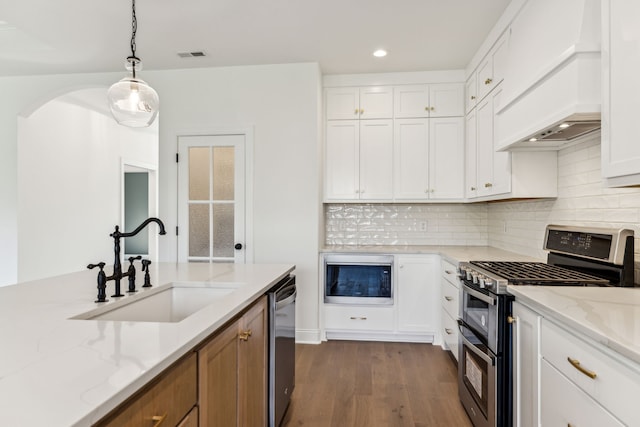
(211, 198)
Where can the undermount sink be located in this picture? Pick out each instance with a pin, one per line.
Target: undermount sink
(168, 303)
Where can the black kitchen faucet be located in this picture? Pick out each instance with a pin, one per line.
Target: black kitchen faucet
(117, 266)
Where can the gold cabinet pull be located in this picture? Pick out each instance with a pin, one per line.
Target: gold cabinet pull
(473, 97)
(488, 81)
(361, 111)
(432, 109)
(426, 108)
(488, 185)
(448, 331)
(448, 271)
(158, 419)
(244, 335)
(473, 188)
(356, 112)
(448, 298)
(511, 319)
(576, 364)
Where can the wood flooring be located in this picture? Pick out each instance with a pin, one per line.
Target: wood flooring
(370, 384)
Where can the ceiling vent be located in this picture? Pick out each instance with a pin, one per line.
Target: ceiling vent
(196, 54)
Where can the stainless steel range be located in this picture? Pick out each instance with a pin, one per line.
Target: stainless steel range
(578, 256)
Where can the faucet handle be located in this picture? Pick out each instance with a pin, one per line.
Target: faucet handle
(102, 281)
(133, 258)
(145, 264)
(92, 266)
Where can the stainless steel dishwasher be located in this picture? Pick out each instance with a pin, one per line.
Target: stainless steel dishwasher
(282, 347)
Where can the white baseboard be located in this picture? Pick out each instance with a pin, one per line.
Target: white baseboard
(308, 336)
(379, 336)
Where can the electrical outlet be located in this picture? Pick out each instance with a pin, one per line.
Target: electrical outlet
(423, 225)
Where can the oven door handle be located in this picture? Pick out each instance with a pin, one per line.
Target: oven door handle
(481, 354)
(479, 295)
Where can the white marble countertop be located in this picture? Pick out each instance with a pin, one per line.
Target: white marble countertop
(454, 254)
(609, 316)
(57, 371)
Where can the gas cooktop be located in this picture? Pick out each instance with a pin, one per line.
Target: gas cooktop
(538, 273)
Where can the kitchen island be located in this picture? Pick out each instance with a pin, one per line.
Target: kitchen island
(59, 371)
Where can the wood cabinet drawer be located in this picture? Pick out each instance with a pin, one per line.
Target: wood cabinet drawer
(359, 318)
(615, 383)
(564, 404)
(450, 298)
(450, 333)
(450, 272)
(167, 399)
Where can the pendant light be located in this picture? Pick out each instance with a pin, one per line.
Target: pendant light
(132, 101)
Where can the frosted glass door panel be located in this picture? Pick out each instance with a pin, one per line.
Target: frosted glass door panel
(211, 198)
(199, 171)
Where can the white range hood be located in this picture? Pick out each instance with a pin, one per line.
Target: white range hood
(551, 91)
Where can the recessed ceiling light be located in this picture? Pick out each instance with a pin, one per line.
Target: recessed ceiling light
(564, 125)
(533, 139)
(380, 53)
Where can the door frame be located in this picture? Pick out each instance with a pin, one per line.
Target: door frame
(248, 133)
(127, 165)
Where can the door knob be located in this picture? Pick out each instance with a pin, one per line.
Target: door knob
(238, 246)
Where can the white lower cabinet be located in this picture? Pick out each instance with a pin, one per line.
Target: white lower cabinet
(526, 362)
(416, 293)
(450, 302)
(413, 317)
(563, 378)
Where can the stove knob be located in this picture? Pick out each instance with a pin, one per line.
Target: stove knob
(481, 281)
(474, 277)
(461, 272)
(488, 283)
(469, 275)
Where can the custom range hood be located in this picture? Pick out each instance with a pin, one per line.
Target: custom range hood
(551, 91)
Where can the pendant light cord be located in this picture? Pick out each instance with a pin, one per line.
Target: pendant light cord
(133, 59)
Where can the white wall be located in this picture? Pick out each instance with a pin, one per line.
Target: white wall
(281, 103)
(69, 180)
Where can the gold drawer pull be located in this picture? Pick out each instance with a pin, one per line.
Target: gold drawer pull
(158, 419)
(448, 271)
(576, 364)
(448, 331)
(473, 97)
(244, 335)
(358, 318)
(488, 185)
(448, 298)
(488, 81)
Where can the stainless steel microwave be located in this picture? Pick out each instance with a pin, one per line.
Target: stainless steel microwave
(358, 279)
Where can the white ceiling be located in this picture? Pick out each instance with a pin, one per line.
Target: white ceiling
(72, 36)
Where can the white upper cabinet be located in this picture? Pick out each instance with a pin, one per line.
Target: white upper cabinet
(342, 160)
(621, 89)
(471, 93)
(435, 100)
(491, 70)
(376, 160)
(429, 159)
(348, 103)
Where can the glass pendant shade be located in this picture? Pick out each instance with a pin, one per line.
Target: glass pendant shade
(133, 102)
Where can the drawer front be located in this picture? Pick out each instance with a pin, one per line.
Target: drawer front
(450, 299)
(449, 272)
(359, 318)
(166, 400)
(616, 386)
(564, 404)
(450, 333)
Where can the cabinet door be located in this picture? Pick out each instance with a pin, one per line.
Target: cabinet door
(252, 376)
(376, 102)
(446, 158)
(471, 93)
(342, 103)
(471, 158)
(411, 157)
(499, 57)
(501, 182)
(411, 101)
(564, 404)
(526, 362)
(417, 288)
(218, 379)
(342, 160)
(484, 144)
(446, 100)
(621, 86)
(485, 76)
(376, 160)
